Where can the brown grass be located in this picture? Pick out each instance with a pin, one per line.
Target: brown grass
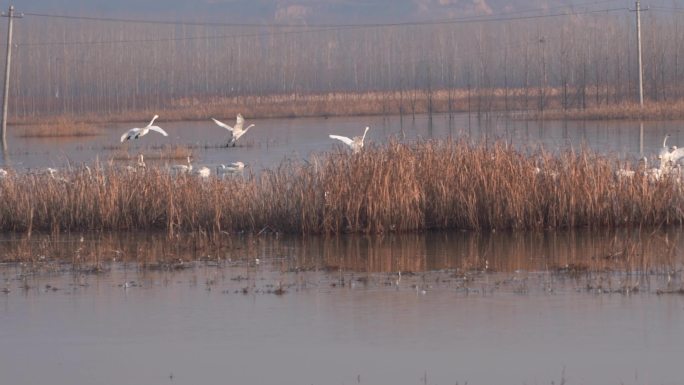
(522, 103)
(158, 153)
(61, 127)
(622, 111)
(395, 187)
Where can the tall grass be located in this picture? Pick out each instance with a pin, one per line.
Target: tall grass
(393, 187)
(512, 101)
(59, 127)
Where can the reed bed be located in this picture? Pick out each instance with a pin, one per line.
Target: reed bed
(393, 187)
(61, 127)
(662, 110)
(165, 152)
(514, 101)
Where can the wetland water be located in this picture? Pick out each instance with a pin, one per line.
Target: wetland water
(602, 307)
(582, 307)
(273, 140)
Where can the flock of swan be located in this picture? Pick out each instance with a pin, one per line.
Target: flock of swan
(236, 131)
(670, 159)
(221, 170)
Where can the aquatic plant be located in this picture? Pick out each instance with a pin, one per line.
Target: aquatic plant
(392, 187)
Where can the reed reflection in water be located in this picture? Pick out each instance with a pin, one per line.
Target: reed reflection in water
(622, 250)
(221, 310)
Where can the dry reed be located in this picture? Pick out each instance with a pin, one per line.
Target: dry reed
(61, 127)
(393, 187)
(165, 152)
(514, 101)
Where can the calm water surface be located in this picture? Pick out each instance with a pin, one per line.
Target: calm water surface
(273, 140)
(486, 309)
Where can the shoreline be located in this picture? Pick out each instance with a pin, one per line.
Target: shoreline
(512, 103)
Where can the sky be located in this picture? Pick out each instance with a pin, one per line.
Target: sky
(292, 11)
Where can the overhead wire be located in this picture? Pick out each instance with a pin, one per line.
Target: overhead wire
(276, 25)
(464, 20)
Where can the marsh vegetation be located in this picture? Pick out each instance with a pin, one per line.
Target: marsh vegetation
(392, 187)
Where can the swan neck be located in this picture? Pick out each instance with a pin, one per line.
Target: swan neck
(152, 121)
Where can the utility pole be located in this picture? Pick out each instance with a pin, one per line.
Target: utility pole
(641, 67)
(10, 16)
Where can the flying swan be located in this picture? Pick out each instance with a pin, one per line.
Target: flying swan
(135, 133)
(236, 131)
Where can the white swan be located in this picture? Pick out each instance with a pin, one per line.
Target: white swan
(665, 155)
(203, 172)
(355, 143)
(233, 168)
(141, 161)
(140, 164)
(135, 133)
(182, 168)
(236, 131)
(676, 155)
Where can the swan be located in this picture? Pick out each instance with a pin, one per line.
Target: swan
(676, 155)
(236, 131)
(141, 161)
(182, 168)
(355, 143)
(135, 133)
(233, 168)
(3, 173)
(140, 164)
(204, 172)
(665, 155)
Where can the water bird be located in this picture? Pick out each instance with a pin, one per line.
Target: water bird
(3, 173)
(140, 164)
(141, 161)
(136, 133)
(356, 143)
(203, 172)
(233, 168)
(676, 155)
(236, 131)
(665, 155)
(182, 168)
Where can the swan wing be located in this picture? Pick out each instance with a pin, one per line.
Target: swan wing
(238, 131)
(677, 155)
(220, 123)
(344, 139)
(128, 134)
(159, 130)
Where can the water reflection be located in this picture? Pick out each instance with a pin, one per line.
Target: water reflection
(626, 250)
(146, 308)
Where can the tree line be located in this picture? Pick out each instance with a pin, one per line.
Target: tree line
(67, 66)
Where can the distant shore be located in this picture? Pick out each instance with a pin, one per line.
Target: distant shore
(516, 103)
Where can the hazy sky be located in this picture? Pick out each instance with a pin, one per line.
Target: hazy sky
(292, 11)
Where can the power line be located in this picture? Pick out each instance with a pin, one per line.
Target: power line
(667, 9)
(323, 29)
(271, 25)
